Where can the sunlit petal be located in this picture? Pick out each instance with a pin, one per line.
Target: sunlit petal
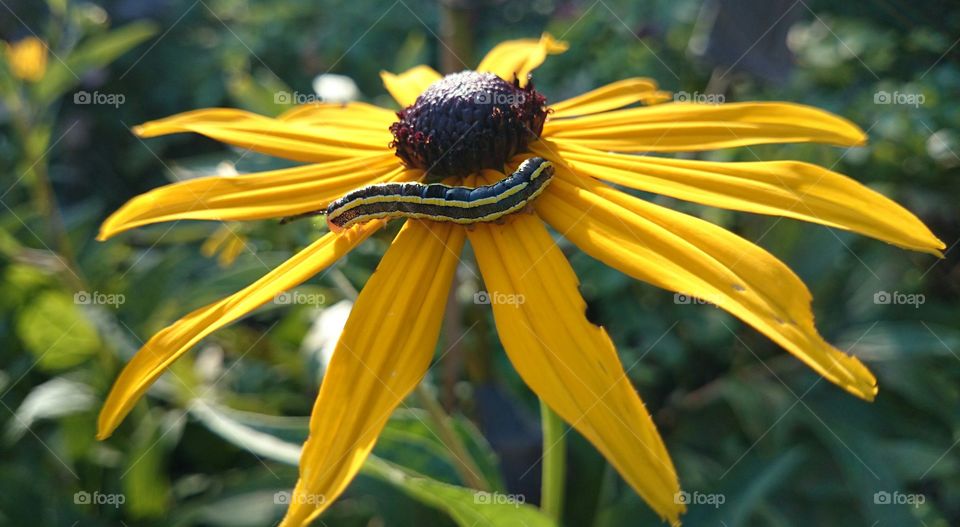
(694, 257)
(172, 342)
(610, 97)
(358, 115)
(570, 363)
(517, 58)
(782, 188)
(675, 127)
(272, 194)
(290, 139)
(384, 351)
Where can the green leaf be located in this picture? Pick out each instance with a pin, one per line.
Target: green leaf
(56, 332)
(97, 52)
(410, 431)
(55, 398)
(20, 283)
(467, 507)
(144, 479)
(892, 341)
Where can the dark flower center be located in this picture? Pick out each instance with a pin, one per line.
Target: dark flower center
(466, 122)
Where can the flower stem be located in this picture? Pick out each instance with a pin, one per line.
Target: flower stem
(463, 462)
(554, 463)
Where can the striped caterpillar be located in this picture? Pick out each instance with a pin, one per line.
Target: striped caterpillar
(440, 202)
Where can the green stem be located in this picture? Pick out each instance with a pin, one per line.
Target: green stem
(456, 31)
(463, 462)
(554, 463)
(36, 141)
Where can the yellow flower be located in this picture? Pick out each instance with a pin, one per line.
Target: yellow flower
(389, 340)
(27, 58)
(227, 242)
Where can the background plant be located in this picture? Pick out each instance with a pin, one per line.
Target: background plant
(741, 419)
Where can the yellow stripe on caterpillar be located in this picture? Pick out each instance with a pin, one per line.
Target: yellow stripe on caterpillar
(438, 202)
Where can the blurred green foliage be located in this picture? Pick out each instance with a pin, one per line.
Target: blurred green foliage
(741, 418)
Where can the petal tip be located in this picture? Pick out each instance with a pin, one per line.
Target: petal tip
(938, 247)
(106, 231)
(553, 45)
(865, 387)
(870, 393)
(105, 425)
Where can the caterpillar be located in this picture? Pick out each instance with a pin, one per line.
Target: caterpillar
(439, 202)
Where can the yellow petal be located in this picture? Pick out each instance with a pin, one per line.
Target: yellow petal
(693, 257)
(781, 188)
(173, 341)
(384, 351)
(517, 58)
(570, 363)
(272, 194)
(215, 241)
(27, 58)
(357, 115)
(677, 127)
(234, 246)
(290, 139)
(407, 86)
(610, 97)
(228, 241)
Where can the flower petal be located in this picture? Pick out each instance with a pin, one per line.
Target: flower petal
(227, 241)
(358, 115)
(570, 363)
(272, 194)
(781, 188)
(289, 139)
(27, 58)
(517, 58)
(677, 127)
(173, 341)
(694, 257)
(610, 97)
(407, 86)
(384, 351)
